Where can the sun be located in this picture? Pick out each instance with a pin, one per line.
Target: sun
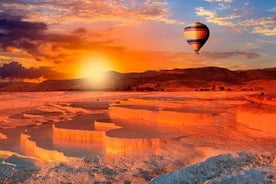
(94, 68)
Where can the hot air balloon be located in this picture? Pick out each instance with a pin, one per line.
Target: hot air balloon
(196, 35)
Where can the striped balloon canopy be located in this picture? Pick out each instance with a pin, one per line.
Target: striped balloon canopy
(196, 35)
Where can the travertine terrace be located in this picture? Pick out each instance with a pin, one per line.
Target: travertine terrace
(137, 132)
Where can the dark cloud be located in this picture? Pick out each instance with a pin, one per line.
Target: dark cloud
(15, 70)
(80, 31)
(84, 32)
(31, 36)
(60, 38)
(222, 55)
(20, 34)
(15, 24)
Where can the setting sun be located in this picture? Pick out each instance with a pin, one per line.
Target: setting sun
(94, 68)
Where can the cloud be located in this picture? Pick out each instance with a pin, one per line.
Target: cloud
(223, 6)
(265, 26)
(80, 31)
(213, 17)
(15, 70)
(223, 55)
(35, 38)
(272, 10)
(20, 34)
(27, 36)
(69, 11)
(154, 10)
(46, 36)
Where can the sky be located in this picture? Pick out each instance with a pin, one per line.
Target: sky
(60, 39)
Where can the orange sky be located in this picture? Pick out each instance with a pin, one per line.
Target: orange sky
(61, 39)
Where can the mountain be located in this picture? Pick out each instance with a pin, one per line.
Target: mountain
(17, 86)
(202, 79)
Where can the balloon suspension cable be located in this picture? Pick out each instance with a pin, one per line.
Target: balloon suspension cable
(196, 53)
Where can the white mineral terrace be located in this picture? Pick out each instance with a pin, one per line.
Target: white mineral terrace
(135, 131)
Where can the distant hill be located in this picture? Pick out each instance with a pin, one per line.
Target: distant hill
(201, 79)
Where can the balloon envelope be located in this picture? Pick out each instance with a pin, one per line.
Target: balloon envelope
(196, 35)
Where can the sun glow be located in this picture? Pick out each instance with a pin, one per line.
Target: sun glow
(94, 68)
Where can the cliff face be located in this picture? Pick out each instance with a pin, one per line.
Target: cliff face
(207, 78)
